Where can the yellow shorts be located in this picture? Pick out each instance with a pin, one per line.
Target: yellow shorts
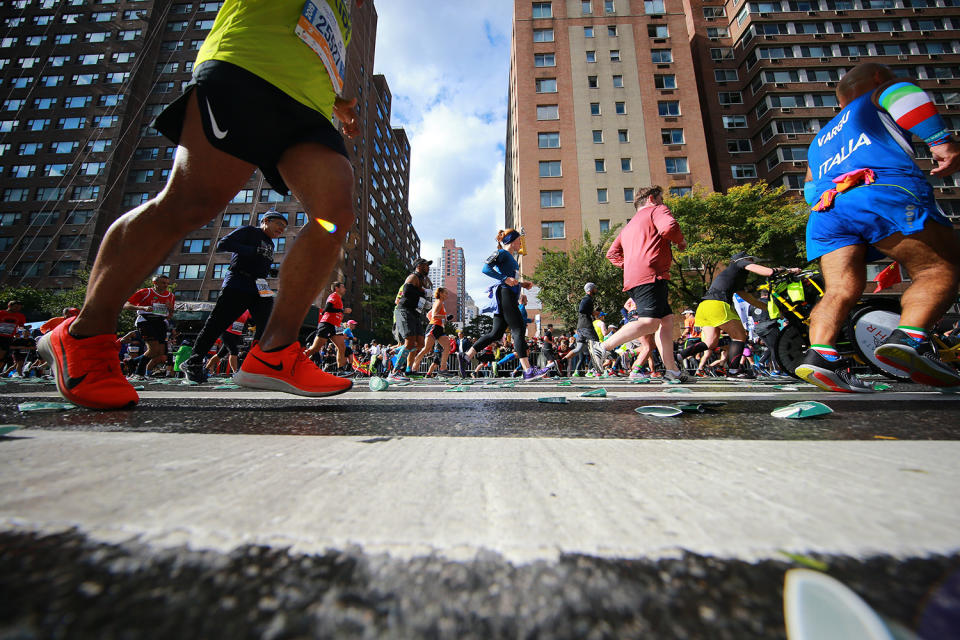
(713, 313)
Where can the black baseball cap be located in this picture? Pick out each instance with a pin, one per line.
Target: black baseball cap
(421, 261)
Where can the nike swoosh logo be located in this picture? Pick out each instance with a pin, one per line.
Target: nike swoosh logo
(275, 367)
(219, 133)
(68, 382)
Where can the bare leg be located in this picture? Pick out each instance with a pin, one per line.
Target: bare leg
(631, 331)
(338, 342)
(139, 240)
(844, 274)
(322, 180)
(427, 347)
(932, 257)
(315, 346)
(664, 338)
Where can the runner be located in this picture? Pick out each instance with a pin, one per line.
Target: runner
(11, 319)
(715, 313)
(586, 334)
(549, 349)
(437, 316)
(407, 322)
(643, 251)
(154, 307)
(502, 266)
(328, 325)
(872, 198)
(260, 97)
(244, 288)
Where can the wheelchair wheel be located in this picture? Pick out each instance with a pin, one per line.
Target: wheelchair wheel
(870, 324)
(790, 348)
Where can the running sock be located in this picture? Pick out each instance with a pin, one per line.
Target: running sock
(914, 332)
(276, 349)
(693, 350)
(827, 352)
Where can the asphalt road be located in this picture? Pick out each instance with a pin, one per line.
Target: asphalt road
(423, 512)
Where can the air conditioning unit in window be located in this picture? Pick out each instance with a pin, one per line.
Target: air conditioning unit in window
(901, 57)
(831, 83)
(888, 11)
(791, 136)
(853, 58)
(710, 19)
(811, 13)
(769, 37)
(824, 59)
(846, 35)
(942, 81)
(818, 36)
(779, 85)
(933, 56)
(917, 10)
(786, 110)
(714, 39)
(839, 13)
(798, 164)
(763, 15)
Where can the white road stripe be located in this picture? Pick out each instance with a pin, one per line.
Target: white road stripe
(527, 499)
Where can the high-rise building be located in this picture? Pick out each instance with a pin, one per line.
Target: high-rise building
(453, 267)
(81, 82)
(609, 95)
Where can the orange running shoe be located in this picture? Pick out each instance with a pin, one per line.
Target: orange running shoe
(87, 371)
(289, 371)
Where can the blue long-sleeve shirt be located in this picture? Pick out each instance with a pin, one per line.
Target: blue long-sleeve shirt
(501, 266)
(252, 251)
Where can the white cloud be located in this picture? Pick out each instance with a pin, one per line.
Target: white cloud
(447, 65)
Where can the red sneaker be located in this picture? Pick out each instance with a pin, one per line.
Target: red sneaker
(289, 371)
(87, 371)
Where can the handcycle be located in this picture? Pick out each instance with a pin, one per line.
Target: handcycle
(869, 323)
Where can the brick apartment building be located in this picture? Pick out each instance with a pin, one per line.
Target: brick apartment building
(609, 95)
(81, 81)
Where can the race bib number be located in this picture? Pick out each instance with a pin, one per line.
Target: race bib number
(263, 288)
(319, 29)
(7, 329)
(160, 308)
(237, 327)
(133, 350)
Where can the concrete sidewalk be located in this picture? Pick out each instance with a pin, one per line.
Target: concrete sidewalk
(525, 498)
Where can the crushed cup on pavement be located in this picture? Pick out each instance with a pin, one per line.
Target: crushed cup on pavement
(8, 428)
(227, 386)
(809, 409)
(659, 411)
(553, 400)
(596, 393)
(378, 384)
(785, 387)
(879, 386)
(459, 387)
(678, 390)
(45, 406)
(692, 407)
(564, 383)
(508, 385)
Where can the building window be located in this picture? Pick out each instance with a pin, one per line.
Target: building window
(548, 140)
(725, 75)
(602, 196)
(543, 35)
(628, 194)
(220, 270)
(744, 171)
(658, 31)
(680, 192)
(614, 55)
(271, 195)
(597, 136)
(542, 10)
(592, 82)
(617, 82)
(588, 32)
(739, 146)
(591, 56)
(544, 60)
(626, 165)
(671, 136)
(546, 85)
(191, 272)
(244, 196)
(195, 246)
(301, 219)
(676, 165)
(730, 97)
(734, 122)
(608, 6)
(550, 199)
(552, 230)
(620, 108)
(612, 31)
(623, 135)
(665, 81)
(654, 7)
(604, 226)
(600, 165)
(586, 7)
(234, 219)
(594, 108)
(548, 112)
(281, 245)
(550, 169)
(661, 56)
(669, 108)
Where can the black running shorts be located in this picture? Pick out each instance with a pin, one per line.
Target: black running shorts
(249, 118)
(231, 344)
(152, 328)
(326, 330)
(651, 300)
(435, 330)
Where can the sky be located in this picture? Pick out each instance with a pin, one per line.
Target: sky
(447, 65)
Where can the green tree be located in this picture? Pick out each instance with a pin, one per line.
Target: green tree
(381, 297)
(561, 276)
(480, 325)
(763, 221)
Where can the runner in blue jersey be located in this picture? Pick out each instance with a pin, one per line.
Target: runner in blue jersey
(503, 267)
(870, 198)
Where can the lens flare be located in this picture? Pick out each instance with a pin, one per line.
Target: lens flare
(326, 224)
